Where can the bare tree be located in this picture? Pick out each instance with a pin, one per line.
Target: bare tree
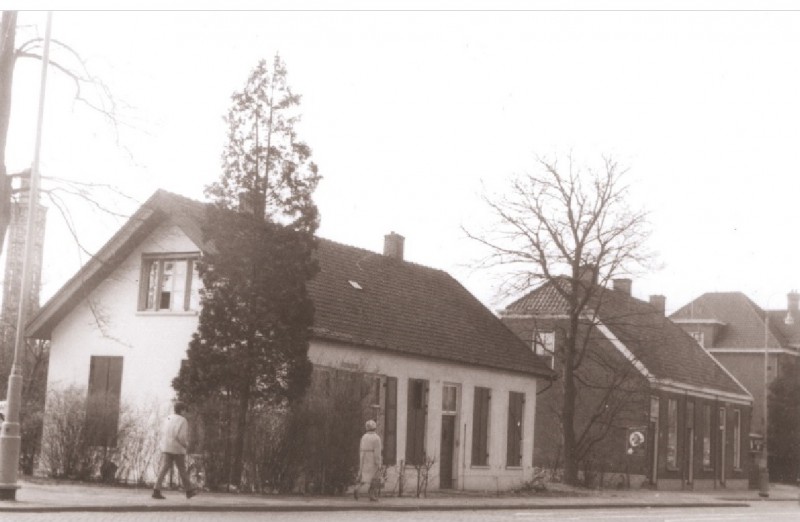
(89, 90)
(573, 228)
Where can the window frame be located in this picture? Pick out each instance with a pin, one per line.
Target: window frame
(515, 433)
(673, 461)
(737, 439)
(707, 450)
(481, 420)
(416, 421)
(148, 260)
(543, 344)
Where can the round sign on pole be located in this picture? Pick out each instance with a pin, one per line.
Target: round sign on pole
(636, 441)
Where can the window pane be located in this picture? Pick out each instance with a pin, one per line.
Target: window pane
(707, 436)
(195, 285)
(152, 281)
(178, 286)
(166, 286)
(449, 399)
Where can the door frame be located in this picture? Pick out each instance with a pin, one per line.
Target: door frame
(454, 414)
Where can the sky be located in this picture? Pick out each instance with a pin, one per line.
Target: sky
(413, 115)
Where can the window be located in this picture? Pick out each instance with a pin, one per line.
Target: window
(390, 423)
(699, 337)
(544, 343)
(654, 409)
(737, 439)
(516, 404)
(449, 399)
(672, 434)
(102, 403)
(706, 436)
(417, 410)
(170, 283)
(480, 427)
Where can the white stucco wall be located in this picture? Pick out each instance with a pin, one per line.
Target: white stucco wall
(491, 477)
(107, 322)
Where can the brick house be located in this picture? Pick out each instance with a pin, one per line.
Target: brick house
(654, 405)
(740, 335)
(451, 381)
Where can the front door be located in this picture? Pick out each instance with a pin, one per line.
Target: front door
(448, 447)
(448, 442)
(652, 442)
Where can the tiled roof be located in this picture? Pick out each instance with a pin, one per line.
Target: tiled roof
(743, 320)
(665, 350)
(409, 308)
(360, 297)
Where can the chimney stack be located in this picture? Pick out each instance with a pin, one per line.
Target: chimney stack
(588, 274)
(393, 245)
(793, 299)
(659, 302)
(623, 285)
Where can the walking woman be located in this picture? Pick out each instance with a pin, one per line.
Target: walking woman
(370, 461)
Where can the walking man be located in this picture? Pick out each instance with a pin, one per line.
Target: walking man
(174, 442)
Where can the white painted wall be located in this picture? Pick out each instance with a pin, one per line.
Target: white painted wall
(107, 322)
(494, 476)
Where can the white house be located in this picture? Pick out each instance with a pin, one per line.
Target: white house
(456, 383)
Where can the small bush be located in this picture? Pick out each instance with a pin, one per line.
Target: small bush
(69, 448)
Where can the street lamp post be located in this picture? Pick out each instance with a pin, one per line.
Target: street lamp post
(10, 440)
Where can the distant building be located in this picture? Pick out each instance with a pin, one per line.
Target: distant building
(740, 335)
(667, 413)
(15, 252)
(450, 381)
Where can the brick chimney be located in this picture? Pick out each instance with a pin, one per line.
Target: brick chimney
(588, 274)
(659, 302)
(624, 285)
(393, 245)
(793, 300)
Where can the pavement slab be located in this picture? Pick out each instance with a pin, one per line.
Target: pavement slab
(70, 497)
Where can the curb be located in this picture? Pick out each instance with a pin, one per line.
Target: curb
(316, 509)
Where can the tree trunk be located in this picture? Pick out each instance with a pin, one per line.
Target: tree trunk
(568, 407)
(241, 426)
(8, 29)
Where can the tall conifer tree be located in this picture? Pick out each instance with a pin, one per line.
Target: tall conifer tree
(251, 345)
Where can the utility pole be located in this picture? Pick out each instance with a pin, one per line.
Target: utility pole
(10, 440)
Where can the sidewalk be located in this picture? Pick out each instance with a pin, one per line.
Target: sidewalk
(43, 498)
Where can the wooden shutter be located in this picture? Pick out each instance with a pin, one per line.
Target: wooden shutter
(390, 423)
(480, 426)
(102, 404)
(415, 432)
(516, 403)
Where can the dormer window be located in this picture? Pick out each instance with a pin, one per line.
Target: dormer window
(169, 283)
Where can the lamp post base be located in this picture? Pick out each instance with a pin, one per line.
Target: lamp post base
(8, 491)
